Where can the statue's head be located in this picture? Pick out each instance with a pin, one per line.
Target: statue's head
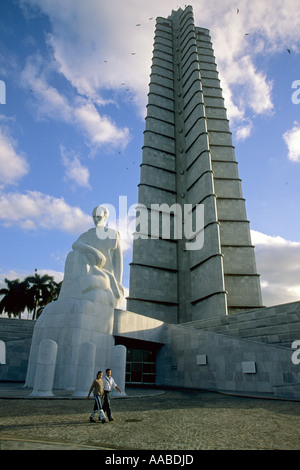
(100, 215)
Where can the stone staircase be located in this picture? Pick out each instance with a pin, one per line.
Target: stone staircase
(279, 325)
(16, 335)
(12, 329)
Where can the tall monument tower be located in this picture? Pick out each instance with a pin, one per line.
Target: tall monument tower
(188, 158)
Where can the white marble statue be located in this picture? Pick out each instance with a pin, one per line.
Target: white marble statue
(84, 312)
(94, 268)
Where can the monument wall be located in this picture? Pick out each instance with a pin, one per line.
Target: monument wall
(211, 361)
(16, 336)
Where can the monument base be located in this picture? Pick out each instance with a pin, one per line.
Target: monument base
(82, 332)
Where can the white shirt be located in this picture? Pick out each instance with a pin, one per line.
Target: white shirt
(109, 384)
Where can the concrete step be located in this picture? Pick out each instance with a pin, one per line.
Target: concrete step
(13, 328)
(279, 325)
(280, 335)
(286, 321)
(291, 390)
(290, 313)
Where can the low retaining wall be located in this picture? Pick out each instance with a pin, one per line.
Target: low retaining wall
(204, 360)
(15, 336)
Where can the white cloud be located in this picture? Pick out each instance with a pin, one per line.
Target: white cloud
(292, 140)
(258, 31)
(246, 89)
(100, 129)
(93, 41)
(74, 170)
(13, 164)
(243, 131)
(123, 305)
(93, 44)
(81, 112)
(278, 263)
(33, 210)
(14, 274)
(258, 88)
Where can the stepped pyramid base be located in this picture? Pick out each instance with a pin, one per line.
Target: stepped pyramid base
(277, 325)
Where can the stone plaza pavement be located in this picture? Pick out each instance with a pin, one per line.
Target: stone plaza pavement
(149, 420)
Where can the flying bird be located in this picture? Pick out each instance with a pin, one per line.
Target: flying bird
(289, 51)
(138, 25)
(237, 11)
(133, 53)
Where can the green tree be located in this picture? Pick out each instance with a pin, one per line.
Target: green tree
(33, 294)
(15, 297)
(54, 295)
(42, 290)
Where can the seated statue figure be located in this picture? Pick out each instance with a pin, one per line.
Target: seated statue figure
(95, 264)
(84, 310)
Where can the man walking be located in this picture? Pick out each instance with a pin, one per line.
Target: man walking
(108, 385)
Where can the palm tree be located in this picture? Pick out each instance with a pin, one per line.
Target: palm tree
(15, 298)
(42, 290)
(33, 294)
(55, 290)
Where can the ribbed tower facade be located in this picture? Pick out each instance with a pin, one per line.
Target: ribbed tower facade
(189, 160)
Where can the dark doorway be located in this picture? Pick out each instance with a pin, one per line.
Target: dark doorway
(140, 360)
(140, 366)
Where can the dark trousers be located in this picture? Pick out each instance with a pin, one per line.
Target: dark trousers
(98, 407)
(106, 404)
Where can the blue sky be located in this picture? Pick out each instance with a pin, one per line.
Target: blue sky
(71, 128)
